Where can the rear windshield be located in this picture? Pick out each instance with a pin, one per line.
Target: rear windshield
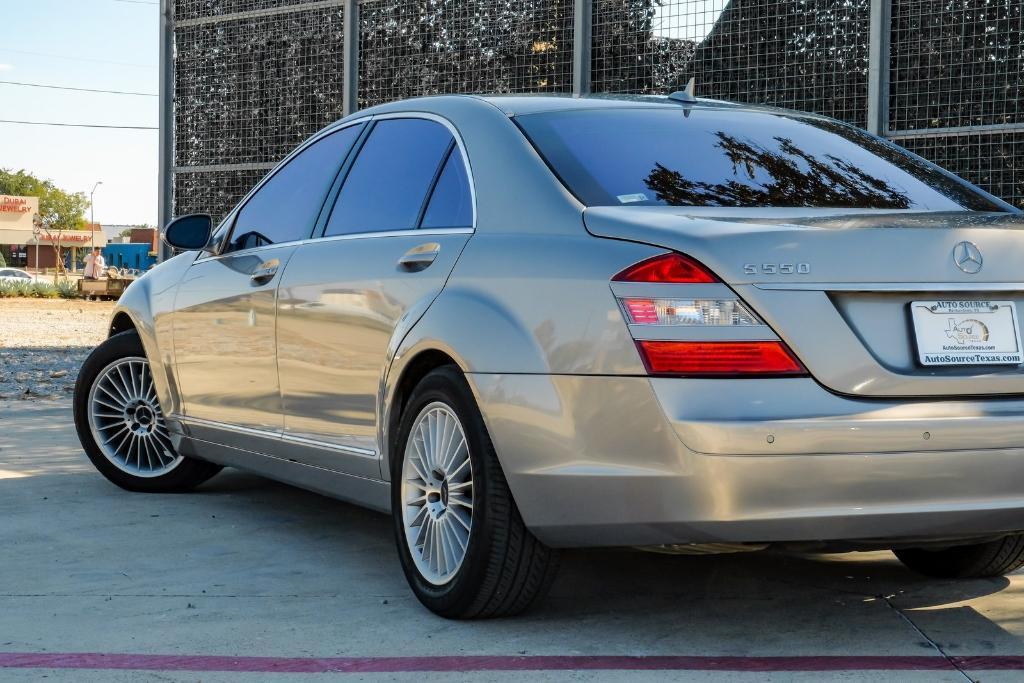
(720, 157)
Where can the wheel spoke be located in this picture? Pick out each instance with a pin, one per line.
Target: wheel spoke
(457, 515)
(457, 500)
(461, 467)
(118, 405)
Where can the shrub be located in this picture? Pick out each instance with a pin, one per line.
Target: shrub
(67, 289)
(6, 289)
(44, 290)
(22, 288)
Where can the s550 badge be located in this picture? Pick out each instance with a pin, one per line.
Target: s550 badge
(777, 268)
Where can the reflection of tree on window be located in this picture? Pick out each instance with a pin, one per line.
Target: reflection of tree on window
(794, 177)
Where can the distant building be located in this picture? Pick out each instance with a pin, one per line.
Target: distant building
(138, 251)
(21, 247)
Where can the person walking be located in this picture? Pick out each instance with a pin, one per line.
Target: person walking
(94, 264)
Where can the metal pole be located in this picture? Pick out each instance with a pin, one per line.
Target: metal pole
(581, 37)
(92, 223)
(350, 58)
(878, 66)
(166, 154)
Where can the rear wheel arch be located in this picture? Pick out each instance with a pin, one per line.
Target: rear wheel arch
(410, 374)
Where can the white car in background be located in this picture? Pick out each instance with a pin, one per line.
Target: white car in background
(16, 275)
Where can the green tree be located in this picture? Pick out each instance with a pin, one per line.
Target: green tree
(60, 210)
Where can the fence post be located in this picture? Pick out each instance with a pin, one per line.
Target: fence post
(581, 36)
(165, 190)
(878, 66)
(350, 67)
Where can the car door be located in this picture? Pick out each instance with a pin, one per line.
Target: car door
(224, 322)
(398, 224)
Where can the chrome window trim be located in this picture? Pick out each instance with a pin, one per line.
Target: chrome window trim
(271, 435)
(350, 236)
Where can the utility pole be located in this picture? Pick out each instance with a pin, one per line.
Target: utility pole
(92, 221)
(37, 233)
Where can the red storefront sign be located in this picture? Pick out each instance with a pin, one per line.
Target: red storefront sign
(14, 205)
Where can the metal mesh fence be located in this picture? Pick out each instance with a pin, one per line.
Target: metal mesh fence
(994, 161)
(956, 63)
(803, 54)
(254, 78)
(427, 47)
(213, 192)
(185, 10)
(257, 87)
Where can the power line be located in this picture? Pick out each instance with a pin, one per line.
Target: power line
(64, 87)
(77, 125)
(138, 2)
(77, 59)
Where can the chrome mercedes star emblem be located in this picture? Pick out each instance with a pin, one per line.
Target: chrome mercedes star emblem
(967, 257)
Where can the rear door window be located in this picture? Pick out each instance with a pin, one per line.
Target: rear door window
(388, 183)
(286, 207)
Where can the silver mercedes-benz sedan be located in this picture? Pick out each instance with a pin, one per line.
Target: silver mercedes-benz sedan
(518, 324)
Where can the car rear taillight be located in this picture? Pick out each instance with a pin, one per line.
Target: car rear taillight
(718, 359)
(670, 267)
(715, 307)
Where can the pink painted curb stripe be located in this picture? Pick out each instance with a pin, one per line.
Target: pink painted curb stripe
(208, 663)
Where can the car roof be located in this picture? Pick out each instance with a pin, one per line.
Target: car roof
(514, 105)
(533, 104)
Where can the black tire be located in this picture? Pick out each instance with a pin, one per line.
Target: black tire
(992, 558)
(506, 569)
(188, 474)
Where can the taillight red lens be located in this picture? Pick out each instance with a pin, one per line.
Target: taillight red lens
(716, 359)
(669, 267)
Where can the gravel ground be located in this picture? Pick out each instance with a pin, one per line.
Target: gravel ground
(43, 343)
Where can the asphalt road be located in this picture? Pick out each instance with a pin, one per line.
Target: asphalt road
(247, 579)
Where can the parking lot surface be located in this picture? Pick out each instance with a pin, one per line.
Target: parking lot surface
(249, 579)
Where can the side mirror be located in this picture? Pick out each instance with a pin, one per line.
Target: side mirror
(189, 232)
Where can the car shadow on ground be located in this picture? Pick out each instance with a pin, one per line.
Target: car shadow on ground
(634, 580)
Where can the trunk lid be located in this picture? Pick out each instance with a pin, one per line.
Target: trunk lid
(837, 284)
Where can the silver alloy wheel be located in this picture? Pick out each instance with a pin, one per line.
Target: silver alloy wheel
(126, 421)
(437, 493)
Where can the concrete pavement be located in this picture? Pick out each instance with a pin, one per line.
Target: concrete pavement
(245, 567)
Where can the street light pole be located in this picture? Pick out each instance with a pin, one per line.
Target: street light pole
(92, 218)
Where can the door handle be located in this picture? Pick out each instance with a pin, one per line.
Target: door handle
(420, 257)
(264, 272)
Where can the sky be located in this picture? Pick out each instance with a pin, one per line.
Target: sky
(99, 44)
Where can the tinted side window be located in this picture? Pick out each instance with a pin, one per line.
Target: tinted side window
(287, 206)
(390, 178)
(451, 204)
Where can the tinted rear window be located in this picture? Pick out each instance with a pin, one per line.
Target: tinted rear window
(718, 157)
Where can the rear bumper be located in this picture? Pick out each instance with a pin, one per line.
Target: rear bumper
(605, 461)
